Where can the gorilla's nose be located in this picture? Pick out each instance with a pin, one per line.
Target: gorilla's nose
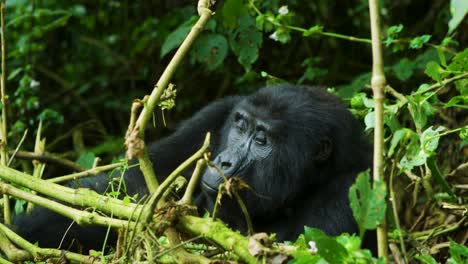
(225, 165)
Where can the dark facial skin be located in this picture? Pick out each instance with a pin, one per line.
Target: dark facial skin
(248, 142)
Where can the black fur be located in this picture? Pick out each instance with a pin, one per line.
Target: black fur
(313, 151)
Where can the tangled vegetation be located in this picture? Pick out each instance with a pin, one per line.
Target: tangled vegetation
(71, 71)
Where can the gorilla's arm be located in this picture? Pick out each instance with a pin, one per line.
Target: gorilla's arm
(49, 228)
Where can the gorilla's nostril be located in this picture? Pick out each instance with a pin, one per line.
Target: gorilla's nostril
(225, 165)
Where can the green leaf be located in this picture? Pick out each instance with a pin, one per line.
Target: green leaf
(245, 41)
(458, 253)
(369, 120)
(350, 242)
(86, 160)
(327, 247)
(392, 34)
(176, 37)
(312, 31)
(210, 49)
(437, 175)
(396, 138)
(231, 11)
(19, 206)
(420, 110)
(368, 204)
(311, 72)
(459, 62)
(418, 42)
(14, 73)
(434, 71)
(357, 102)
(430, 140)
(458, 9)
(393, 31)
(408, 162)
(403, 69)
(425, 258)
(51, 115)
(282, 35)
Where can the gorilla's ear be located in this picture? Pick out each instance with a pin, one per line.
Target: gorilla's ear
(324, 150)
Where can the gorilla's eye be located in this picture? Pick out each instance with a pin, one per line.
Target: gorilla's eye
(241, 123)
(260, 138)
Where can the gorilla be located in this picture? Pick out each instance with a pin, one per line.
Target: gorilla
(297, 147)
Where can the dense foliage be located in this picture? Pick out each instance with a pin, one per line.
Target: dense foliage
(77, 65)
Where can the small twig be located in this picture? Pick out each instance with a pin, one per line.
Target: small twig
(156, 198)
(136, 107)
(17, 148)
(177, 246)
(443, 83)
(188, 195)
(396, 253)
(244, 210)
(50, 158)
(395, 215)
(396, 94)
(39, 147)
(408, 173)
(91, 172)
(462, 169)
(437, 231)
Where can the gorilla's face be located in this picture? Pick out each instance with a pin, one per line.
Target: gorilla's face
(248, 144)
(283, 143)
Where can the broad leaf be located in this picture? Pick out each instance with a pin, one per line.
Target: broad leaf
(327, 247)
(368, 204)
(174, 39)
(210, 49)
(245, 41)
(458, 9)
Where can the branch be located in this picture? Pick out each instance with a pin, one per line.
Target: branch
(49, 158)
(219, 233)
(156, 198)
(3, 129)
(80, 197)
(137, 135)
(188, 195)
(378, 83)
(86, 173)
(39, 253)
(78, 216)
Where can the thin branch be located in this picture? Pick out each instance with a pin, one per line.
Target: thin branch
(378, 83)
(461, 169)
(81, 197)
(17, 147)
(395, 214)
(49, 158)
(188, 195)
(80, 217)
(3, 129)
(137, 136)
(156, 198)
(91, 172)
(444, 83)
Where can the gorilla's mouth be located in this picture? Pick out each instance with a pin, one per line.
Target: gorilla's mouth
(208, 188)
